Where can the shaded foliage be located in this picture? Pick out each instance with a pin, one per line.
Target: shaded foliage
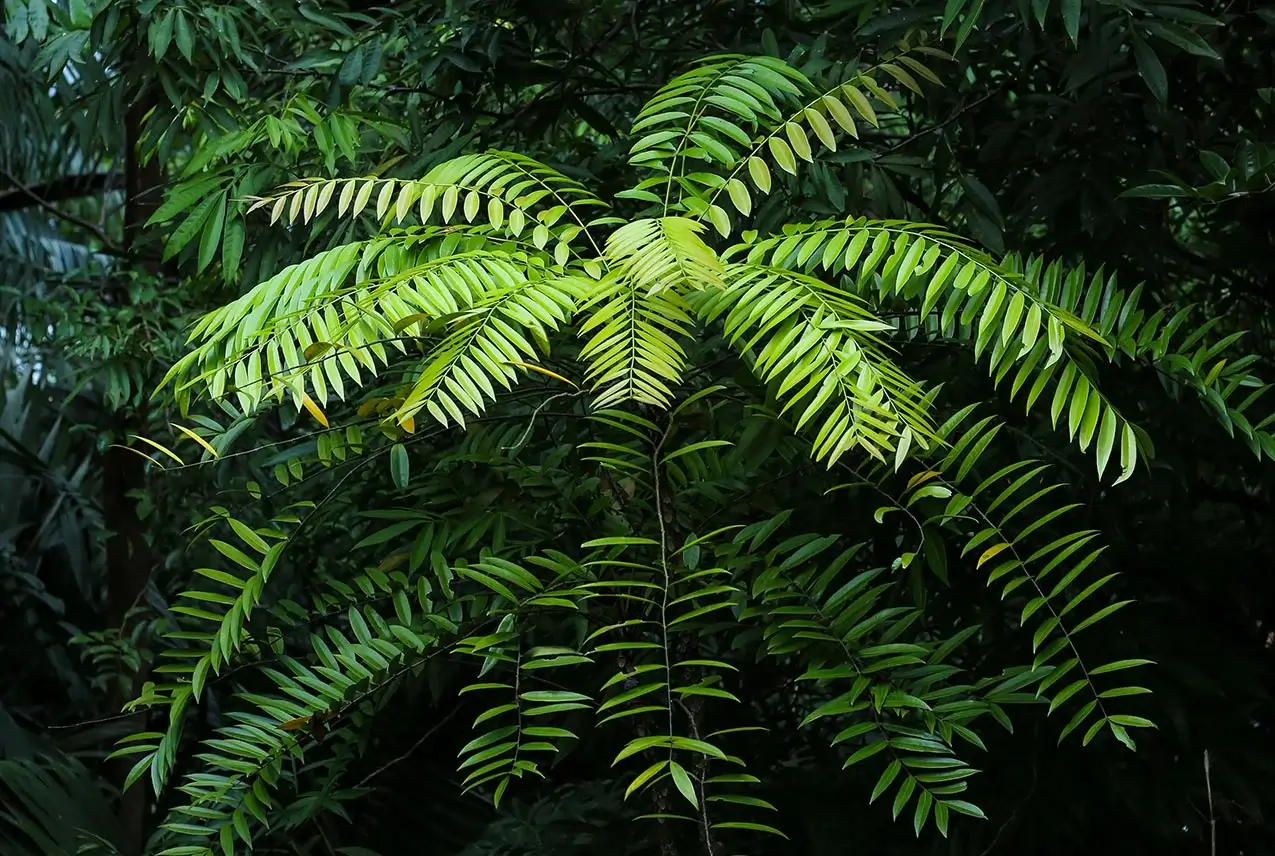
(1128, 136)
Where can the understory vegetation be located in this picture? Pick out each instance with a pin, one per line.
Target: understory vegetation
(684, 428)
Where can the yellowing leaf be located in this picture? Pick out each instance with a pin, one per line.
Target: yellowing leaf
(308, 403)
(155, 445)
(921, 478)
(542, 370)
(318, 349)
(138, 452)
(200, 440)
(991, 553)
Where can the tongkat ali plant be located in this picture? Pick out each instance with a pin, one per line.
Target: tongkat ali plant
(717, 448)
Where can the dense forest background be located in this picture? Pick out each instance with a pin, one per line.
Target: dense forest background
(1133, 140)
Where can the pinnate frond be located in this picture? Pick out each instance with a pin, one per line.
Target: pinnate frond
(818, 347)
(889, 699)
(633, 352)
(680, 596)
(344, 674)
(333, 318)
(460, 307)
(983, 303)
(1003, 523)
(676, 122)
(1178, 344)
(502, 330)
(639, 312)
(665, 254)
(740, 115)
(511, 192)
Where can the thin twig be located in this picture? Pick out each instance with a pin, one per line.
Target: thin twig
(87, 722)
(1208, 786)
(958, 113)
(96, 231)
(415, 746)
(1026, 799)
(531, 423)
(327, 845)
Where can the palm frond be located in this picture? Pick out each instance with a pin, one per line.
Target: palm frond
(53, 806)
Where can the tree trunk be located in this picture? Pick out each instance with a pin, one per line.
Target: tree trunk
(128, 556)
